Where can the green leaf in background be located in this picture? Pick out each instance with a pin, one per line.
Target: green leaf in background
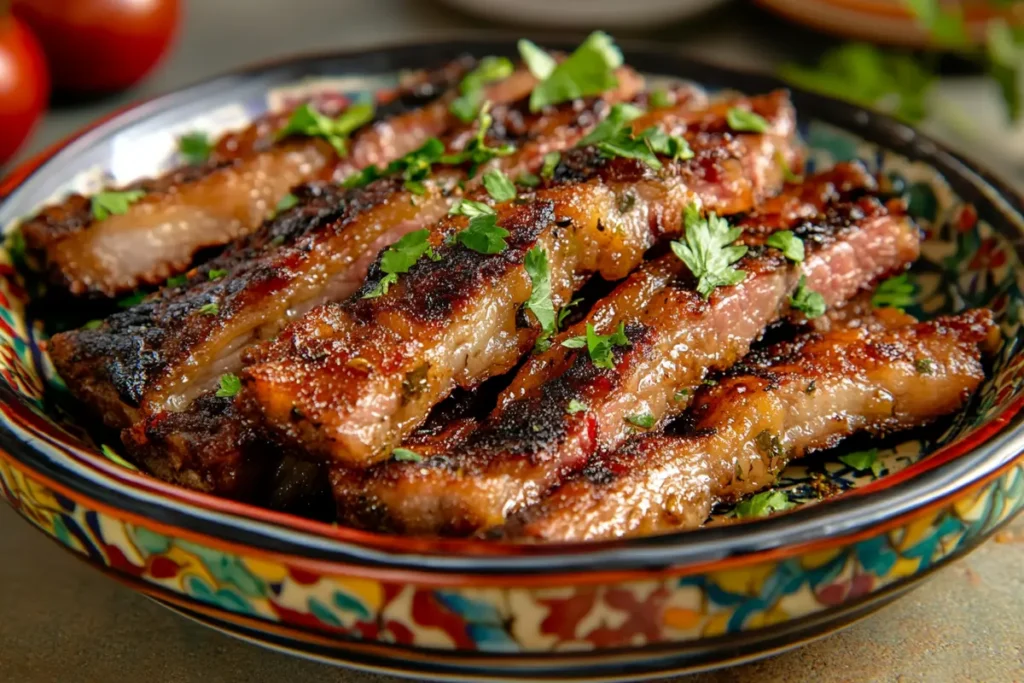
(1006, 65)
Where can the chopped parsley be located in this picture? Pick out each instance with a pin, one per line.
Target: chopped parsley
(565, 311)
(499, 186)
(746, 121)
(484, 235)
(229, 385)
(862, 461)
(547, 170)
(471, 90)
(707, 250)
(177, 280)
(470, 208)
(195, 148)
(211, 308)
(405, 455)
(414, 167)
(599, 346)
(133, 299)
(764, 504)
(477, 150)
(540, 303)
(924, 366)
(791, 246)
(589, 70)
(575, 407)
(661, 98)
(528, 179)
(93, 325)
(399, 258)
(896, 292)
(807, 301)
(113, 203)
(307, 121)
(681, 395)
(613, 137)
(286, 202)
(216, 273)
(619, 115)
(643, 420)
(787, 172)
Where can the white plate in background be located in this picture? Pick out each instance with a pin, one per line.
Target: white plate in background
(607, 14)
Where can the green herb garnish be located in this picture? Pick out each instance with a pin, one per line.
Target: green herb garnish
(896, 292)
(414, 167)
(307, 121)
(93, 325)
(216, 273)
(547, 170)
(644, 420)
(589, 70)
(133, 299)
(528, 179)
(764, 504)
(807, 301)
(211, 308)
(746, 121)
(470, 208)
(661, 98)
(484, 235)
(195, 148)
(490, 69)
(791, 246)
(229, 385)
(707, 250)
(924, 366)
(286, 202)
(177, 280)
(405, 455)
(114, 203)
(499, 186)
(399, 258)
(599, 346)
(540, 303)
(477, 150)
(619, 115)
(575, 407)
(862, 461)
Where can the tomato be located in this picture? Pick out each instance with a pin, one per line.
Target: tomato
(24, 85)
(96, 46)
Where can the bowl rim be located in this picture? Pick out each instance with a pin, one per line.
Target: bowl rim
(978, 456)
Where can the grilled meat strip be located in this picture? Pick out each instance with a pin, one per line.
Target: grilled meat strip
(542, 432)
(164, 352)
(777, 405)
(350, 381)
(191, 209)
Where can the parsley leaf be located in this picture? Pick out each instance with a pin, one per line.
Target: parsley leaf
(644, 420)
(490, 69)
(575, 407)
(619, 115)
(551, 159)
(286, 202)
(566, 310)
(807, 301)
(924, 366)
(791, 246)
(661, 98)
(764, 504)
(399, 258)
(133, 299)
(93, 325)
(211, 308)
(216, 273)
(414, 166)
(195, 148)
(477, 151)
(589, 70)
(177, 280)
(528, 179)
(229, 385)
(470, 208)
(614, 138)
(405, 455)
(707, 251)
(307, 121)
(862, 461)
(540, 303)
(113, 203)
(896, 292)
(484, 235)
(499, 186)
(599, 346)
(746, 121)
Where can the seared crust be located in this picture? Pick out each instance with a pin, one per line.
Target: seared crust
(333, 382)
(533, 441)
(778, 404)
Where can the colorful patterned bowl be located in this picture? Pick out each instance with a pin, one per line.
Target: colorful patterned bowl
(476, 610)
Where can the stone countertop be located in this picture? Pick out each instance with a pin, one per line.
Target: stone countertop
(61, 621)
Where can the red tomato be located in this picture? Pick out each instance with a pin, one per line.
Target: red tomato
(24, 85)
(100, 45)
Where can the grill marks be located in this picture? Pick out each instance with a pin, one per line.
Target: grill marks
(191, 209)
(163, 353)
(866, 379)
(533, 441)
(336, 381)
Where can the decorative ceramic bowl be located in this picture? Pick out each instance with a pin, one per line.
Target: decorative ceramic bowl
(889, 21)
(477, 610)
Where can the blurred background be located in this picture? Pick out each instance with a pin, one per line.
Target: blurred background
(952, 67)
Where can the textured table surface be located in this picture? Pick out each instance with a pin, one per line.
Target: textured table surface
(61, 621)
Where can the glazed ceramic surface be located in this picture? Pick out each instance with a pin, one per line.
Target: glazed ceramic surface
(475, 610)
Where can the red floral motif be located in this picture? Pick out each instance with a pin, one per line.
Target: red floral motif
(988, 256)
(840, 592)
(302, 577)
(643, 616)
(163, 568)
(565, 614)
(427, 611)
(117, 560)
(967, 218)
